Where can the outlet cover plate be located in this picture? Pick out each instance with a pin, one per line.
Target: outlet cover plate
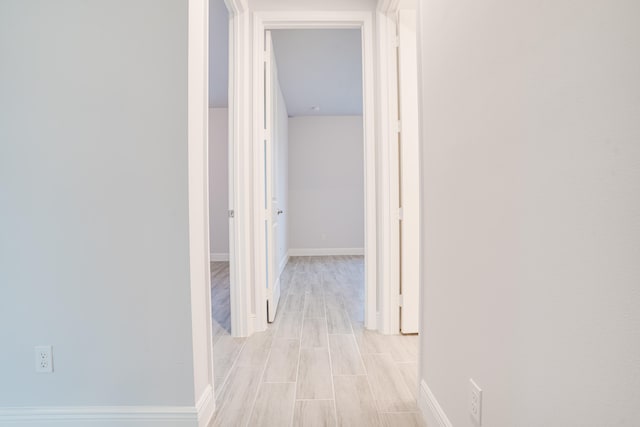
(475, 402)
(44, 359)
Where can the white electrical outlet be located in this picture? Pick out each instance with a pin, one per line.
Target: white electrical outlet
(44, 359)
(475, 402)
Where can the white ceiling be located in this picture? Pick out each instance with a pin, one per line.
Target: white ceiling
(321, 68)
(317, 68)
(218, 53)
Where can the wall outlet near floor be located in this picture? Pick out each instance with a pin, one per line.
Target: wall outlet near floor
(475, 402)
(44, 359)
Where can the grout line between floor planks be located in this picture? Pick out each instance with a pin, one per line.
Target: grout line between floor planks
(333, 386)
(295, 392)
(264, 370)
(225, 382)
(375, 401)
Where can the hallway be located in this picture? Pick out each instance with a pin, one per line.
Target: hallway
(316, 364)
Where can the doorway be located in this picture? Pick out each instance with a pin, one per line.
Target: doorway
(267, 284)
(314, 172)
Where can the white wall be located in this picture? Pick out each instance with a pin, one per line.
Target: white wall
(282, 175)
(531, 195)
(94, 254)
(326, 183)
(218, 182)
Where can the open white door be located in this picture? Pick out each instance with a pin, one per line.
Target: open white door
(270, 193)
(409, 173)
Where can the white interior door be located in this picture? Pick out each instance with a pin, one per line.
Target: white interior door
(270, 193)
(409, 173)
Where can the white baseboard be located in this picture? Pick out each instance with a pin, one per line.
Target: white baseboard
(206, 406)
(112, 416)
(431, 410)
(101, 416)
(325, 251)
(216, 257)
(283, 263)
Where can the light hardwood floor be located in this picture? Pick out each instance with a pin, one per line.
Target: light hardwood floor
(316, 365)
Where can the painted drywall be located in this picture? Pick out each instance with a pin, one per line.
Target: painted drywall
(326, 183)
(531, 196)
(94, 254)
(320, 68)
(218, 182)
(282, 175)
(218, 54)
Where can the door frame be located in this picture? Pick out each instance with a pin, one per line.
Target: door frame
(241, 300)
(272, 20)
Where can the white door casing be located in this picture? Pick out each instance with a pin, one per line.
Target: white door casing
(242, 298)
(330, 20)
(409, 172)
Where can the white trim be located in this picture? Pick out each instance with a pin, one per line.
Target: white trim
(325, 251)
(283, 262)
(199, 415)
(389, 172)
(431, 410)
(198, 191)
(318, 19)
(82, 415)
(236, 7)
(388, 6)
(421, 353)
(218, 257)
(205, 407)
(240, 169)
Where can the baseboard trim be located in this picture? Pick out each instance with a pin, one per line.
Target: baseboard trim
(431, 410)
(217, 257)
(199, 415)
(325, 251)
(87, 416)
(205, 407)
(283, 263)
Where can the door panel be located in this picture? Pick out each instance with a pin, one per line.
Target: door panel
(270, 193)
(409, 173)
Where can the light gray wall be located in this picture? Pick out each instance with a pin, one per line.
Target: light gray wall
(531, 196)
(326, 182)
(218, 180)
(218, 54)
(320, 67)
(93, 203)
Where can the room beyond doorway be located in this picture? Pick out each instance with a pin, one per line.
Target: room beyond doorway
(264, 214)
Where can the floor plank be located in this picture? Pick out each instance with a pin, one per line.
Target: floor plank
(345, 357)
(314, 374)
(387, 385)
(314, 333)
(404, 419)
(283, 361)
(354, 402)
(314, 413)
(274, 405)
(239, 391)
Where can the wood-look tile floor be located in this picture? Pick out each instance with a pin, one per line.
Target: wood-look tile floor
(315, 365)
